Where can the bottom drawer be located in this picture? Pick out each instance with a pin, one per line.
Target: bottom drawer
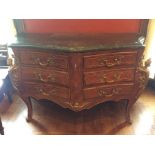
(46, 90)
(108, 91)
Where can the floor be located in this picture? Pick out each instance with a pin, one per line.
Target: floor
(105, 119)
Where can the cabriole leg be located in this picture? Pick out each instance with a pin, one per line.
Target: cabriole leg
(27, 100)
(1, 128)
(127, 112)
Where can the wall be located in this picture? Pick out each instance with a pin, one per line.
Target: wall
(81, 25)
(7, 30)
(150, 46)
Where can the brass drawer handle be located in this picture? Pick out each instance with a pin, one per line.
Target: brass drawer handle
(52, 92)
(41, 79)
(43, 93)
(103, 93)
(48, 62)
(116, 77)
(116, 61)
(49, 78)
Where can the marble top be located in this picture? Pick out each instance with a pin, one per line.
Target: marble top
(78, 42)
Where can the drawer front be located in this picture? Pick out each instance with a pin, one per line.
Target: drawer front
(110, 60)
(109, 76)
(46, 90)
(109, 92)
(44, 59)
(45, 76)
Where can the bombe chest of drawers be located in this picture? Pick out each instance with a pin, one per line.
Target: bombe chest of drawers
(79, 71)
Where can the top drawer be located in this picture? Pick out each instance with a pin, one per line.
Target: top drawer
(110, 60)
(44, 59)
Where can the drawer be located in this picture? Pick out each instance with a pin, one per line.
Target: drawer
(110, 60)
(109, 76)
(109, 92)
(45, 76)
(46, 90)
(44, 59)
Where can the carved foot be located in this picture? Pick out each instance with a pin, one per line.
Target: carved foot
(29, 115)
(128, 121)
(29, 119)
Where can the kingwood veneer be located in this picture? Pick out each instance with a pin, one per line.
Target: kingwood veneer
(79, 71)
